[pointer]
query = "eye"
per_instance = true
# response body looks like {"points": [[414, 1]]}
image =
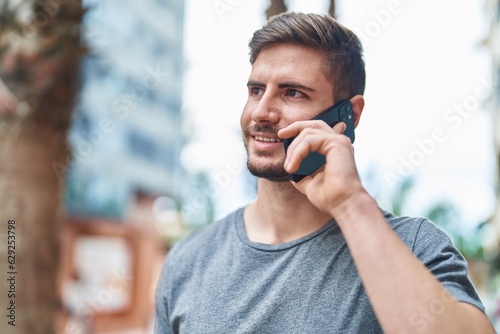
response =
{"points": [[295, 93], [255, 91]]}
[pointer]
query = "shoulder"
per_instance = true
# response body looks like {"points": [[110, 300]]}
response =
{"points": [[434, 248], [417, 232]]}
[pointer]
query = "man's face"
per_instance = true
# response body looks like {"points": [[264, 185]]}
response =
{"points": [[287, 84]]}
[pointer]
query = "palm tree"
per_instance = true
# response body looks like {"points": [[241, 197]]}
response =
{"points": [[39, 59]]}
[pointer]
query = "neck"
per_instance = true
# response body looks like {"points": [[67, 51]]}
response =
{"points": [[281, 213]]}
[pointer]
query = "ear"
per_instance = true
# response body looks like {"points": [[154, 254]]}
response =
{"points": [[358, 103]]}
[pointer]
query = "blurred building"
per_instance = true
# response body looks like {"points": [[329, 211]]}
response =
{"points": [[126, 133], [125, 141]]}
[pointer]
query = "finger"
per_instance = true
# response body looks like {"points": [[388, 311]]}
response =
{"points": [[322, 143], [296, 127], [340, 127], [303, 184], [307, 132], [300, 148], [300, 139]]}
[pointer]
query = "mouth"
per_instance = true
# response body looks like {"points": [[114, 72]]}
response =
{"points": [[268, 139]]}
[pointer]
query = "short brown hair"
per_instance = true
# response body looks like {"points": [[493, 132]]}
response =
{"points": [[341, 47]]}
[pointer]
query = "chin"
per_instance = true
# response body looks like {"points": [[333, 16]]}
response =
{"points": [[274, 173]]}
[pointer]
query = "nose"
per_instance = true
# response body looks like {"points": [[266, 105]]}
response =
{"points": [[267, 110]]}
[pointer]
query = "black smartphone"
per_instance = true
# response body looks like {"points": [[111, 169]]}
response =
{"points": [[340, 112]]}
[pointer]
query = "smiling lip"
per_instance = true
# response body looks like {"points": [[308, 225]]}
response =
{"points": [[267, 139], [266, 143]]}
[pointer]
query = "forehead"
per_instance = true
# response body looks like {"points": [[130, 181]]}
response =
{"points": [[291, 62]]}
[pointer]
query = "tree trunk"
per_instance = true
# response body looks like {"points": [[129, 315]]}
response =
{"points": [[38, 74], [32, 197], [331, 10], [279, 6], [276, 7]]}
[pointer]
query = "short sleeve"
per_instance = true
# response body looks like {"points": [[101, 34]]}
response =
{"points": [[434, 248]]}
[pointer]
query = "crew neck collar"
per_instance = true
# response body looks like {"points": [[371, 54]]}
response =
{"points": [[242, 234]]}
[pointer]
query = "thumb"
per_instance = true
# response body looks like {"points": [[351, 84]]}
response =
{"points": [[340, 127]]}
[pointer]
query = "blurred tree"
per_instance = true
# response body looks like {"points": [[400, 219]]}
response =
{"points": [[401, 195], [331, 10], [276, 7], [444, 215], [39, 60], [279, 6]]}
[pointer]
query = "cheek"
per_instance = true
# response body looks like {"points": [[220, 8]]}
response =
{"points": [[298, 115], [245, 117]]}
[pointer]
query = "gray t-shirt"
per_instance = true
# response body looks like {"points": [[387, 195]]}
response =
{"points": [[218, 281]]}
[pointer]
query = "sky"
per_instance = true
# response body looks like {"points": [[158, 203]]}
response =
{"points": [[427, 113]]}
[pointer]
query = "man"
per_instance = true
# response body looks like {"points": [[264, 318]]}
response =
{"points": [[319, 255]]}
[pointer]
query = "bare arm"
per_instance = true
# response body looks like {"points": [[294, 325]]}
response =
{"points": [[400, 288], [398, 285]]}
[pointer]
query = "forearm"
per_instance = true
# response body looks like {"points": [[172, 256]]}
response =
{"points": [[400, 288]]}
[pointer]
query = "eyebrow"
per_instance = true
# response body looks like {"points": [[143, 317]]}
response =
{"points": [[293, 85], [255, 84]]}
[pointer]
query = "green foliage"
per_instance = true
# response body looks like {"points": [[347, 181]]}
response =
{"points": [[444, 215], [400, 196], [468, 242]]}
